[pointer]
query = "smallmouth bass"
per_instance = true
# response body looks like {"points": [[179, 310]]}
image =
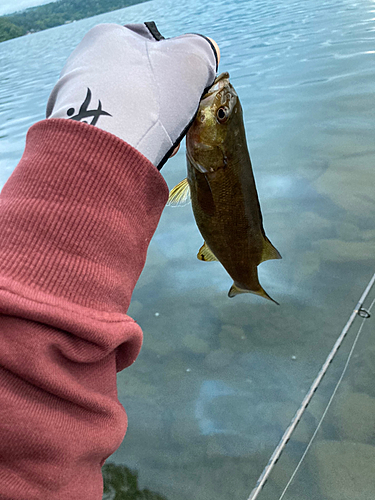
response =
{"points": [[222, 188]]}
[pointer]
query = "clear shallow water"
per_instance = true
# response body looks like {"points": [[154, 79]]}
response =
{"points": [[216, 382]]}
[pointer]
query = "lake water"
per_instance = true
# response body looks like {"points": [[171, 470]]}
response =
{"points": [[219, 379]]}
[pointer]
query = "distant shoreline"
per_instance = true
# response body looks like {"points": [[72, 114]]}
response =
{"points": [[56, 14]]}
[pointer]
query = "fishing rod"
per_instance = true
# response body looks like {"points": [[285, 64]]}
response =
{"points": [[329, 402], [358, 310]]}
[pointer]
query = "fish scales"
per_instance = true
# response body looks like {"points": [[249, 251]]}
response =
{"points": [[223, 192], [221, 224]]}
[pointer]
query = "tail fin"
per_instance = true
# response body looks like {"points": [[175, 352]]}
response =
{"points": [[236, 289]]}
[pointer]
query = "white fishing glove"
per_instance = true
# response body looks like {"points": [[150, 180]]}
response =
{"points": [[132, 82]]}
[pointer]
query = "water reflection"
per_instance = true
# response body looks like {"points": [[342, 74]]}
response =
{"points": [[121, 483]]}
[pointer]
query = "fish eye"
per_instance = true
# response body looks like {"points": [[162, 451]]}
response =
{"points": [[222, 114]]}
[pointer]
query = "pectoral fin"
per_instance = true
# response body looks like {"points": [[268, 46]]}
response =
{"points": [[269, 251], [205, 253], [180, 194], [236, 289]]}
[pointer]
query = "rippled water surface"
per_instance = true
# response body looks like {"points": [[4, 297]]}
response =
{"points": [[219, 379]]}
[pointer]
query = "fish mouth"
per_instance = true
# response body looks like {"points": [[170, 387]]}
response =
{"points": [[220, 82]]}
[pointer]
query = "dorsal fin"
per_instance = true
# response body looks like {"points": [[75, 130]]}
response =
{"points": [[269, 251], [180, 194], [205, 253]]}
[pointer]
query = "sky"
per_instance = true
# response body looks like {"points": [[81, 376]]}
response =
{"points": [[10, 6]]}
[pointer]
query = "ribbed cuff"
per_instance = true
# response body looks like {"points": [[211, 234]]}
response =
{"points": [[77, 215]]}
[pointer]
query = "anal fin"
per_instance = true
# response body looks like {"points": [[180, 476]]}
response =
{"points": [[269, 251]]}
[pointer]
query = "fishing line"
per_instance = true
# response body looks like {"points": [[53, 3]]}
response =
{"points": [[297, 417], [331, 398]]}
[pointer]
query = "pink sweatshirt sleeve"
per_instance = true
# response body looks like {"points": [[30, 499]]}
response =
{"points": [[76, 218]]}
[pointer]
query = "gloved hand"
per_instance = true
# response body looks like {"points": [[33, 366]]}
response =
{"points": [[132, 82]]}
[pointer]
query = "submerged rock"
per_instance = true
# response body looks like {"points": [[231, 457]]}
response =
{"points": [[314, 223], [219, 359], [348, 232], [349, 182], [196, 344], [280, 476], [362, 375], [306, 265], [234, 338], [344, 470], [135, 308], [354, 415], [335, 250]]}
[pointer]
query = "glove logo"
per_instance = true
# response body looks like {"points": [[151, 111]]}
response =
{"points": [[86, 113]]}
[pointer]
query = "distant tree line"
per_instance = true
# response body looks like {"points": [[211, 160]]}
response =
{"points": [[55, 14]]}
